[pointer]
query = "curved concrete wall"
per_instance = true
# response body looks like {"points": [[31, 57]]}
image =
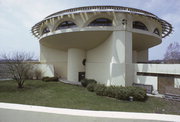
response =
{"points": [[28, 113], [57, 58], [75, 65], [98, 62], [111, 62], [110, 50]]}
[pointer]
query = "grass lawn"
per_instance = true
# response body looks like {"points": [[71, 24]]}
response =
{"points": [[57, 94]]}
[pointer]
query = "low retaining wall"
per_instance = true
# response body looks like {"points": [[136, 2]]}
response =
{"points": [[152, 74], [173, 69], [28, 113], [47, 70]]}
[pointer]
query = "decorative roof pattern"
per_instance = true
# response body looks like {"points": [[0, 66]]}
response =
{"points": [[166, 27]]}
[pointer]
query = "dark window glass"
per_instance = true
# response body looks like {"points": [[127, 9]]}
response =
{"points": [[139, 25], [65, 25], [156, 31], [101, 22], [45, 30]]}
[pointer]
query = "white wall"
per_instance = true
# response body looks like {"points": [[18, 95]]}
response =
{"points": [[148, 80], [98, 62], [122, 70], [99, 72], [142, 56], [47, 69], [56, 57], [173, 69], [28, 113], [158, 68], [111, 62], [134, 56], [176, 82], [75, 58]]}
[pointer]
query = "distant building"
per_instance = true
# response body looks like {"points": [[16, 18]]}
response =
{"points": [[105, 43]]}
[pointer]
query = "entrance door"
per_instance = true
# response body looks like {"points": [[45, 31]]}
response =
{"points": [[81, 76]]}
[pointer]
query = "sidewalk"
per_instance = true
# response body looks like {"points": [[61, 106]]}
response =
{"points": [[70, 82]]}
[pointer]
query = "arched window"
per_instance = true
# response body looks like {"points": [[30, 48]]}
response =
{"points": [[139, 25], [101, 22], [66, 24], [156, 31], [45, 30]]}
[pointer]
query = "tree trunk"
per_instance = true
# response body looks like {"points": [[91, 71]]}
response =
{"points": [[20, 85]]}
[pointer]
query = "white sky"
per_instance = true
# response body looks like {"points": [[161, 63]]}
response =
{"points": [[18, 16]]}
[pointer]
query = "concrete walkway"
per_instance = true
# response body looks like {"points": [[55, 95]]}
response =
{"points": [[5, 79], [157, 95], [70, 82]]}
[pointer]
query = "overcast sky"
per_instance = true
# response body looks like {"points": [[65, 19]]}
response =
{"points": [[18, 16]]}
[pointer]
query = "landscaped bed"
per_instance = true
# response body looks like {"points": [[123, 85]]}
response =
{"points": [[57, 94]]}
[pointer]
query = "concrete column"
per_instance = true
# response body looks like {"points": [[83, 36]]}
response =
{"points": [[122, 69], [134, 56], [75, 58]]}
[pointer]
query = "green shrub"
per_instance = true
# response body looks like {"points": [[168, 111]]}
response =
{"points": [[48, 79], [45, 78], [111, 91], [100, 89], [85, 82], [119, 92], [122, 93], [138, 93], [53, 78], [91, 87]]}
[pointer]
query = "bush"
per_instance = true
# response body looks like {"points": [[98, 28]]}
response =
{"points": [[38, 74], [119, 92], [138, 93], [111, 91], [48, 79], [123, 93], [45, 78], [85, 82], [91, 87], [100, 89]]}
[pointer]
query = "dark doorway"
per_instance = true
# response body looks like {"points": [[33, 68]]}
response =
{"points": [[81, 76]]}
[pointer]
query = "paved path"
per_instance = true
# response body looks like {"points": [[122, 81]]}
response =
{"points": [[1, 79], [157, 95], [70, 82]]}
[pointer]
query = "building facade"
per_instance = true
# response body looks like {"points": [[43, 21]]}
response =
{"points": [[105, 43]]}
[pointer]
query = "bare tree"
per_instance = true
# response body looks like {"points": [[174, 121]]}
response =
{"points": [[18, 66], [38, 73], [172, 54]]}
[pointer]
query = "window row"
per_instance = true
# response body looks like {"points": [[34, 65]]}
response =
{"points": [[99, 22]]}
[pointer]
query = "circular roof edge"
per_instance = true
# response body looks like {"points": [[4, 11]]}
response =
{"points": [[166, 27]]}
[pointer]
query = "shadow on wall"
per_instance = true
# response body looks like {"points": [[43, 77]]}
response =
{"points": [[117, 71], [147, 80]]}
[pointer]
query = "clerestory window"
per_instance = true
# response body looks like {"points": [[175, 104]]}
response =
{"points": [[156, 31], [66, 24], [101, 22], [45, 30], [139, 25]]}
